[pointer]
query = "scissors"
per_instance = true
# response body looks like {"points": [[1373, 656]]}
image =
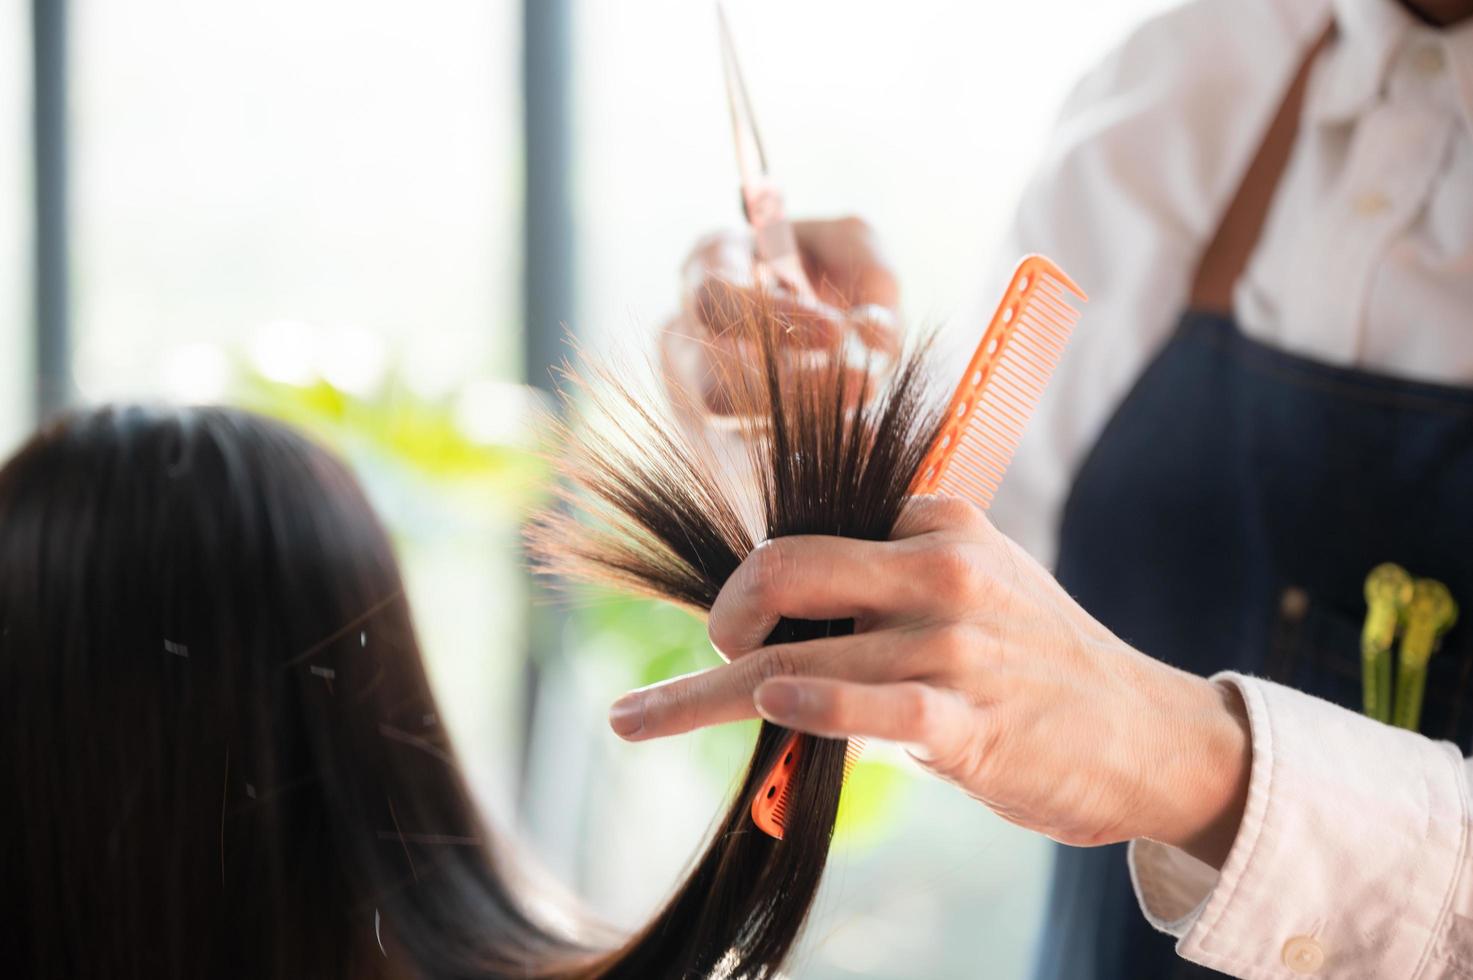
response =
{"points": [[762, 200]]}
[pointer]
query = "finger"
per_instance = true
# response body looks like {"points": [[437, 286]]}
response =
{"points": [[811, 577], [931, 513], [723, 305], [724, 694], [692, 366], [725, 255], [730, 382], [877, 327], [932, 722], [845, 264], [727, 372]]}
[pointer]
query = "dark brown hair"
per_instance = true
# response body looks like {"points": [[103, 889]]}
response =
{"points": [[223, 757], [224, 752], [650, 507]]}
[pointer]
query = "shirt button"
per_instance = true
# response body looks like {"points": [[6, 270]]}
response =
{"points": [[1304, 954], [1371, 203], [1429, 61]]}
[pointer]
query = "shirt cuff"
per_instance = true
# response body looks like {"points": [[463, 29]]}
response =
{"points": [[1353, 838]]}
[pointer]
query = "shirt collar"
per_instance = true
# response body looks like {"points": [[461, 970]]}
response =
{"points": [[1369, 36]]}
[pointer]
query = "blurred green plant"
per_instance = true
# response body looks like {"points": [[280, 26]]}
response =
{"points": [[646, 641], [418, 435]]}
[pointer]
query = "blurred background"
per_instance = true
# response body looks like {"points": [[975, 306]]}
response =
{"points": [[376, 218]]}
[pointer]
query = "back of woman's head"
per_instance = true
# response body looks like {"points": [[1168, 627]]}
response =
{"points": [[226, 755]]}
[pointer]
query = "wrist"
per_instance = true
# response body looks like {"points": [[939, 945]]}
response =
{"points": [[1216, 760]]}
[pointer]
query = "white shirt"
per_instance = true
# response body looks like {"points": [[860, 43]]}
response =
{"points": [[1366, 258], [1355, 855]]}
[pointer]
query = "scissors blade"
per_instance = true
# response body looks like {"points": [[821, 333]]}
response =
{"points": [[751, 160]]}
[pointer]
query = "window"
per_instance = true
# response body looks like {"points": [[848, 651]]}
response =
{"points": [[350, 166], [316, 208], [298, 194], [15, 223]]}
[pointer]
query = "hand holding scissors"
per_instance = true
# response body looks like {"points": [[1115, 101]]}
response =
{"points": [[826, 278]]}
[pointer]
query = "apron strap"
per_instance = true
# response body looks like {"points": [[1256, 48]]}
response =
{"points": [[1237, 234]]}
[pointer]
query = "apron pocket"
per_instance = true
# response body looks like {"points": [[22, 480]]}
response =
{"points": [[1315, 648]]}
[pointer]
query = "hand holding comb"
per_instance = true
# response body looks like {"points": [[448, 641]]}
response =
{"points": [[983, 424]]}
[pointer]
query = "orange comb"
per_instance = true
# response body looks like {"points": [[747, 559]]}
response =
{"points": [[1002, 385], [982, 426], [770, 808]]}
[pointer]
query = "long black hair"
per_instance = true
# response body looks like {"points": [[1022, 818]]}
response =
{"points": [[223, 753], [826, 447]]}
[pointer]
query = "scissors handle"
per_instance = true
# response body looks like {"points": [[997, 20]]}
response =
{"points": [[775, 244], [1431, 613], [1388, 591]]}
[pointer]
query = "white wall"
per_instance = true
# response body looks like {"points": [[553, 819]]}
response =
{"points": [[15, 223]]}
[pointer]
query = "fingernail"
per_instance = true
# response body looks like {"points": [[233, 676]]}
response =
{"points": [[779, 701], [626, 716]]}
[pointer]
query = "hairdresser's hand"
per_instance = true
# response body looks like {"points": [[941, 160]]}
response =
{"points": [[857, 295], [972, 656]]}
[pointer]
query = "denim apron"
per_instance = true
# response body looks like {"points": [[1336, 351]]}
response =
{"points": [[1226, 519]]}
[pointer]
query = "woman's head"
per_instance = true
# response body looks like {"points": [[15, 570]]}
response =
{"points": [[227, 756]]}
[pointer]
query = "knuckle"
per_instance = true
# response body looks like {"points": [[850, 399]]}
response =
{"points": [[952, 650], [767, 571], [919, 708], [955, 512], [931, 514], [751, 596], [711, 249], [721, 635], [717, 304], [989, 737], [956, 754], [855, 225], [777, 661], [954, 573]]}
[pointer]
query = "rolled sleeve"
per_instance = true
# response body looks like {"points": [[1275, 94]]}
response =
{"points": [[1351, 859]]}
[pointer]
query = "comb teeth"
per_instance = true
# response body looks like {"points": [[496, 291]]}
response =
{"points": [[770, 808], [780, 809], [1004, 381]]}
